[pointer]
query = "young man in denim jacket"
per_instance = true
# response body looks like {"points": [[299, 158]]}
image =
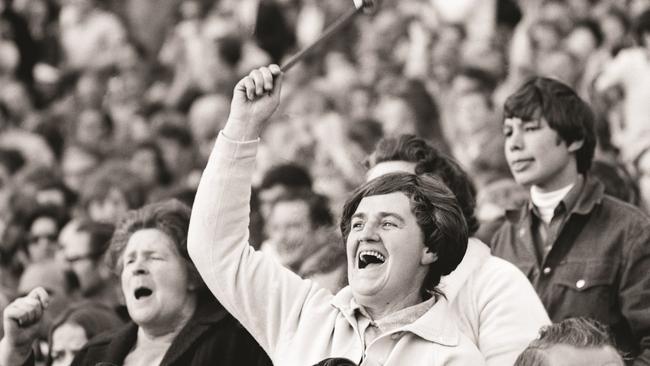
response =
{"points": [[587, 254]]}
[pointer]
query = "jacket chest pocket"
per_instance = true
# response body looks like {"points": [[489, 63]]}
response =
{"points": [[583, 289]]}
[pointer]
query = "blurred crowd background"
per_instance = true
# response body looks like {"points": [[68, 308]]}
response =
{"points": [[108, 105]]}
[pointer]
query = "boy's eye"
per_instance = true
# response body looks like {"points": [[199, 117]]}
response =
{"points": [[507, 132], [357, 224]]}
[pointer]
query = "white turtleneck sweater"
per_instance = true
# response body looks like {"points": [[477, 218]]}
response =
{"points": [[546, 202]]}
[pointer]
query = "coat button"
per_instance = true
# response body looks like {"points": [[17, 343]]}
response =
{"points": [[546, 270], [522, 232], [580, 283]]}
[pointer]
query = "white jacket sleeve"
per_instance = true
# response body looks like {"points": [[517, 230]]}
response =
{"points": [[264, 296], [511, 313]]}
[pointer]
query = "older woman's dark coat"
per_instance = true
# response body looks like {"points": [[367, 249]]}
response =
{"points": [[211, 337]]}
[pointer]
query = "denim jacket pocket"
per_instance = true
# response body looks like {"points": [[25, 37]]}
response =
{"points": [[585, 289]]}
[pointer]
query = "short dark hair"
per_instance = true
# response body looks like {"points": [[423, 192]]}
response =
{"points": [[436, 211], [172, 218], [100, 236], [563, 110], [642, 26], [318, 204], [575, 332], [429, 160], [289, 175]]}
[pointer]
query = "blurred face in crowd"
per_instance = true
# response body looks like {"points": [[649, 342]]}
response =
{"points": [[395, 116], [537, 155], [155, 280], [581, 42], [269, 196], [544, 37], [560, 65], [78, 253], [565, 355], [472, 113], [290, 229], [144, 164], [204, 117], [77, 165], [67, 341], [387, 258], [110, 209], [43, 239], [613, 29], [90, 91], [91, 129]]}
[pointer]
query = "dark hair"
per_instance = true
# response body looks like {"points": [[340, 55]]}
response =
{"points": [[617, 181], [336, 361], [318, 204], [111, 175], [575, 332], [164, 175], [485, 81], [642, 26], [289, 175], [94, 317], [413, 92], [172, 218], [12, 159], [436, 211], [563, 110], [59, 216], [100, 236], [429, 160], [171, 131]]}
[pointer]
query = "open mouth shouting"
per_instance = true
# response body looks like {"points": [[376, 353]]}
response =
{"points": [[142, 292], [370, 258]]}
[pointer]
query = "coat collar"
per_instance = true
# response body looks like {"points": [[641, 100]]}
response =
{"points": [[591, 194], [443, 331], [120, 343]]}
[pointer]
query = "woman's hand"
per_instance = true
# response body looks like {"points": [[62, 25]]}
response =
{"points": [[22, 320], [255, 98]]}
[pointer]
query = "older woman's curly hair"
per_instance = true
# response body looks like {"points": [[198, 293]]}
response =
{"points": [[172, 218]]}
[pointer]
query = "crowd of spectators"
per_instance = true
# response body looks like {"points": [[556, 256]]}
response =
{"points": [[106, 106]]}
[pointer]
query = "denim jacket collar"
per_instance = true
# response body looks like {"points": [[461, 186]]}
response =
{"points": [[592, 194]]}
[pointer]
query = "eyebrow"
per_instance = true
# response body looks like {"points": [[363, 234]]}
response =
{"points": [[381, 214]]}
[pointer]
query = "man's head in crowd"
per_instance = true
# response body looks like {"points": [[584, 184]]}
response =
{"points": [[402, 233], [410, 154], [205, 118], [83, 248], [43, 226], [549, 134], [572, 342], [293, 223], [642, 29], [279, 180]]}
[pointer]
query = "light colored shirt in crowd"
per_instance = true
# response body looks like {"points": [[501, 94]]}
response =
{"points": [[630, 69], [90, 41]]}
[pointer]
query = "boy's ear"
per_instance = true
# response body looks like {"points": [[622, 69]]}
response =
{"points": [[575, 145]]}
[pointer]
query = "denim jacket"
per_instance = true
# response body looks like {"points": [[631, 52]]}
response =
{"points": [[598, 267]]}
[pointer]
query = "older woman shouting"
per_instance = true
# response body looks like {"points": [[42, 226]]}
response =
{"points": [[402, 233], [175, 321]]}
